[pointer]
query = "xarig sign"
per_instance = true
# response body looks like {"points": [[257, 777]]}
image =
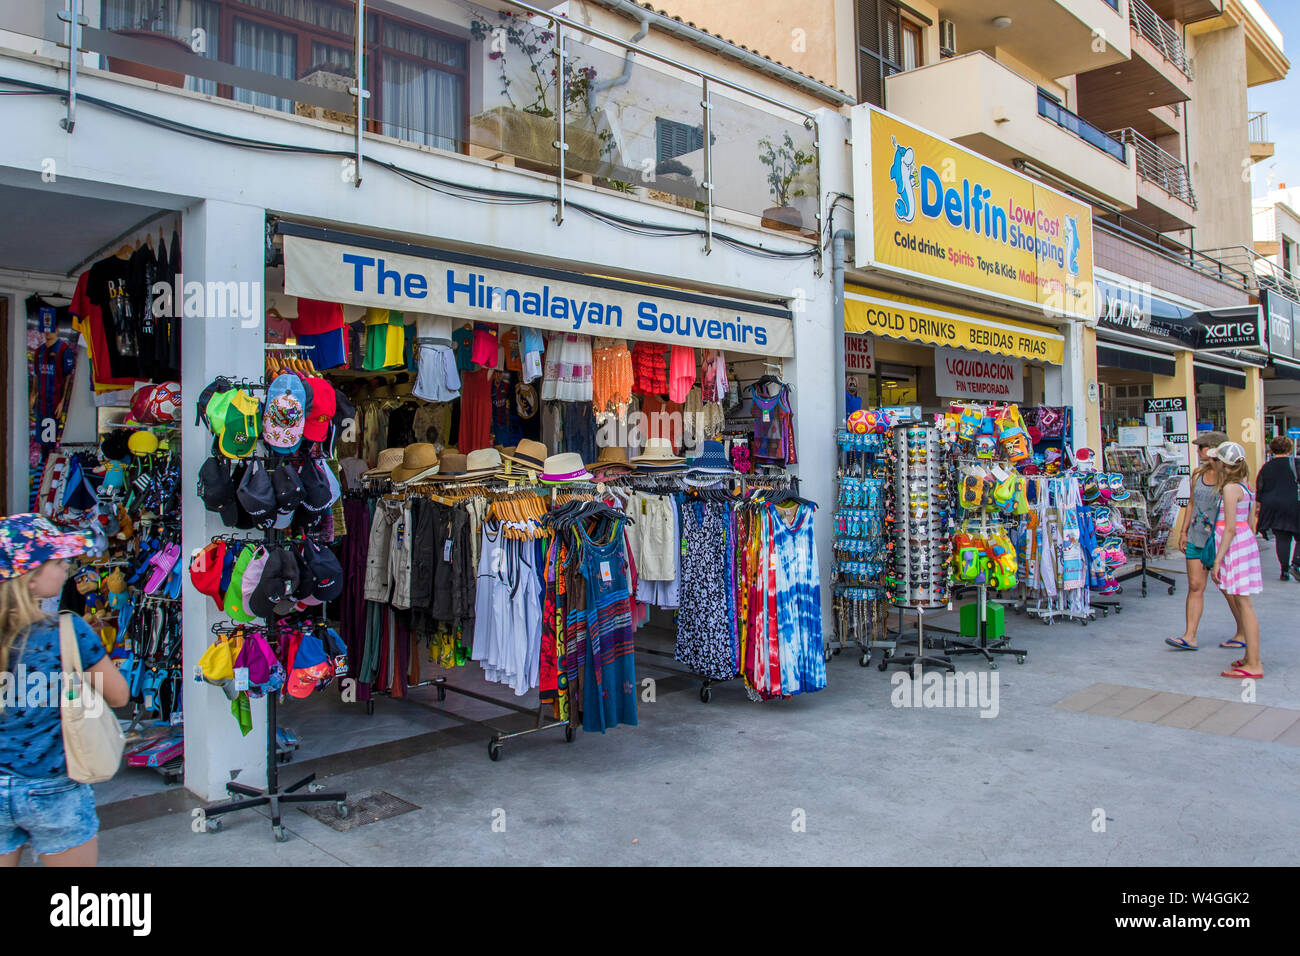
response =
{"points": [[1235, 328]]}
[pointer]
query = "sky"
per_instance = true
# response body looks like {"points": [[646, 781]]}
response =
{"points": [[1282, 102]]}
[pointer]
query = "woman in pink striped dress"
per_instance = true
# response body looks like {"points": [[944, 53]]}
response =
{"points": [[1237, 570]]}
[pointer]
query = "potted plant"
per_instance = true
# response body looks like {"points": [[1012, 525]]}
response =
{"points": [[524, 126], [154, 26], [784, 163]]}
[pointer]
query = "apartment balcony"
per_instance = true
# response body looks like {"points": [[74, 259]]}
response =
{"points": [[1005, 117], [449, 76], [1186, 11], [1165, 199], [1159, 73], [1054, 37], [1261, 147]]}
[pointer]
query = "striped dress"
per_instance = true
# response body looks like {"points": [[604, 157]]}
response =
{"points": [[609, 685], [1240, 571]]}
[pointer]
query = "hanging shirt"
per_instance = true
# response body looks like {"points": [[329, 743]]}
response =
{"points": [[385, 338], [106, 288]]}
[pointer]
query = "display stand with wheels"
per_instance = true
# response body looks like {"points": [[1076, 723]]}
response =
{"points": [[981, 643], [860, 548]]}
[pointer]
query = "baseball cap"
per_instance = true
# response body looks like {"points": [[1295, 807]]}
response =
{"points": [[326, 570], [310, 667], [278, 582], [216, 386], [252, 577], [241, 425], [316, 494], [217, 489], [285, 415], [234, 605], [1210, 439], [323, 406], [288, 493], [256, 494], [217, 665], [29, 540], [1228, 452], [205, 571]]}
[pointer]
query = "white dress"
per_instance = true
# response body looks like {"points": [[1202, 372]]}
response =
{"points": [[567, 369]]}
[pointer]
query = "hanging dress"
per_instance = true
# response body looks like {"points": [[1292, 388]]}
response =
{"points": [[609, 691], [704, 630], [799, 613]]}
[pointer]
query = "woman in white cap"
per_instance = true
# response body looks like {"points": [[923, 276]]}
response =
{"points": [[39, 803], [1237, 569]]}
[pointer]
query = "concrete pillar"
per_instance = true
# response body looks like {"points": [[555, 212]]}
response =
{"points": [[815, 425], [1244, 413], [1067, 384], [222, 242]]}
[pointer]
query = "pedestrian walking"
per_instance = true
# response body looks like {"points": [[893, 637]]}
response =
{"points": [[39, 803], [1236, 567], [1279, 504]]}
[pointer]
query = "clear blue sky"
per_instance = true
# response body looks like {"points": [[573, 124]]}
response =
{"points": [[1282, 101]]}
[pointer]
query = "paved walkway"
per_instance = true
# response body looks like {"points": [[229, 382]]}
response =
{"points": [[842, 776]]}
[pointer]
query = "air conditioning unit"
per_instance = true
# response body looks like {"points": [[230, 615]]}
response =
{"points": [[947, 38]]}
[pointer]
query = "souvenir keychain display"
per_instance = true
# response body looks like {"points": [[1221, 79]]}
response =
{"points": [[862, 543]]}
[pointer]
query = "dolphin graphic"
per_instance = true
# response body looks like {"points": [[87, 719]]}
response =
{"points": [[1071, 238], [903, 172]]}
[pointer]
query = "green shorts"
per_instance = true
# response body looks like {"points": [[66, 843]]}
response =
{"points": [[1194, 551]]}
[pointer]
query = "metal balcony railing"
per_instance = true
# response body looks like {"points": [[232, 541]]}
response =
{"points": [[1048, 108], [1160, 34], [549, 94], [1261, 272], [1257, 127], [1131, 230], [1159, 167]]}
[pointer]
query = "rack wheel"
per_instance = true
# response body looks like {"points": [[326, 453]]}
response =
{"points": [[1083, 621], [280, 835], [1172, 589], [1020, 658], [568, 733], [315, 787], [829, 654], [706, 694], [213, 825], [883, 665], [442, 693], [993, 665], [836, 651], [370, 707], [1046, 621], [1118, 610], [342, 809], [494, 750], [864, 660]]}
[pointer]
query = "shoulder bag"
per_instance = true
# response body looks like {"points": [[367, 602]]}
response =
{"points": [[92, 737], [1210, 551]]}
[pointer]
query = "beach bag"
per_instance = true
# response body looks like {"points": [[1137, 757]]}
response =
{"points": [[92, 737]]}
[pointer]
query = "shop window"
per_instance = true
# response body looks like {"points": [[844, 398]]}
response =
{"points": [[1211, 407]]}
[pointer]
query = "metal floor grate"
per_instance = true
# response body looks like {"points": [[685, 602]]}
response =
{"points": [[364, 806]]}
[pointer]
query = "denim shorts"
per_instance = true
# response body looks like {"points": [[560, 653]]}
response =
{"points": [[53, 814]]}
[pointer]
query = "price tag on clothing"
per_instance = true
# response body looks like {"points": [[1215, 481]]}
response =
{"points": [[341, 665], [683, 546], [605, 573], [767, 416], [241, 678], [645, 506], [446, 551]]}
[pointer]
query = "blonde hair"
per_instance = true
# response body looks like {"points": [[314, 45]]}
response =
{"points": [[19, 613], [1230, 475]]}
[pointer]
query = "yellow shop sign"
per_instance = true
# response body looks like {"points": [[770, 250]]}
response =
{"points": [[931, 209], [903, 317]]}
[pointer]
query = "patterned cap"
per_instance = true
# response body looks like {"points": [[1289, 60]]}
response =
{"points": [[28, 540]]}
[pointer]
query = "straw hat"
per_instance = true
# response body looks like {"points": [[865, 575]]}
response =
{"points": [[658, 456], [611, 458], [565, 467], [416, 459], [482, 463], [528, 453], [389, 459], [453, 465]]}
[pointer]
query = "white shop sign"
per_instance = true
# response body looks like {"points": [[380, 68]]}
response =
{"points": [[492, 291], [978, 376]]}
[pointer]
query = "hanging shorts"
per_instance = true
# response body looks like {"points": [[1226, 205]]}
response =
{"points": [[437, 378], [656, 542]]}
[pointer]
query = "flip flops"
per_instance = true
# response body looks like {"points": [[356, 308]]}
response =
{"points": [[1181, 644], [1240, 674], [163, 562], [1234, 644]]}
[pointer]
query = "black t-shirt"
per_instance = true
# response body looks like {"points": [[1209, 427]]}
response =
{"points": [[144, 272], [108, 288]]}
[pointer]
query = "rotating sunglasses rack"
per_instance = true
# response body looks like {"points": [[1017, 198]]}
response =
{"points": [[922, 506], [862, 545]]}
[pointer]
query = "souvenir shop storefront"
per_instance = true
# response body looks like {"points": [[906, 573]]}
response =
{"points": [[452, 477]]}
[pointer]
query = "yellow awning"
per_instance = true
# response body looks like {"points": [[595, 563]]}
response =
{"points": [[917, 320]]}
